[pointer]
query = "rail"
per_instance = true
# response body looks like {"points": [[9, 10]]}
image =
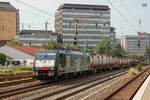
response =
{"points": [[125, 85]]}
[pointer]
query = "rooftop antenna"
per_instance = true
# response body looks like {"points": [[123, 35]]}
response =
{"points": [[46, 26], [22, 26], [29, 27]]}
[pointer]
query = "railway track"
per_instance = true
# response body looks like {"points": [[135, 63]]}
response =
{"points": [[128, 90], [63, 94], [10, 77], [17, 74], [15, 82], [6, 92], [3, 79], [59, 88], [14, 79]]}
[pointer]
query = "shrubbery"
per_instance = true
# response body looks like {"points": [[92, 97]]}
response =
{"points": [[132, 71], [139, 67], [20, 69], [2, 59], [136, 69], [25, 68]]}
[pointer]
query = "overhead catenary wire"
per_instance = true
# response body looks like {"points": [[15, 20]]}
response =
{"points": [[129, 12], [57, 1], [126, 20], [31, 13], [133, 17], [42, 11], [33, 24]]}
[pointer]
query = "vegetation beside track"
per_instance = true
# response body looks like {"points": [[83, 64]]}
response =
{"points": [[136, 69], [15, 70]]}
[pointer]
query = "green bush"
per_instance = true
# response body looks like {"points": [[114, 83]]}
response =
{"points": [[143, 63], [2, 59], [139, 67], [132, 71], [14, 70], [26, 68], [148, 62]]}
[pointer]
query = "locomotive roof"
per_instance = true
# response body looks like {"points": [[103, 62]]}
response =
{"points": [[62, 51], [70, 52]]}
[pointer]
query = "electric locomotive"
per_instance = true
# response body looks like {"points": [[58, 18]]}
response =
{"points": [[57, 63]]}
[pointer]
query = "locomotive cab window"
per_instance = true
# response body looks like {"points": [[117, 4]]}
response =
{"points": [[44, 56]]}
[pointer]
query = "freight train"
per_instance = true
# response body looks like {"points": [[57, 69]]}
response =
{"points": [[54, 64]]}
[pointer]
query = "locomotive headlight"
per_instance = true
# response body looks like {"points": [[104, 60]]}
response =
{"points": [[36, 62], [37, 68], [52, 68], [36, 73], [49, 62], [49, 74]]}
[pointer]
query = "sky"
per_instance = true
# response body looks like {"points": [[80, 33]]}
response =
{"points": [[126, 15]]}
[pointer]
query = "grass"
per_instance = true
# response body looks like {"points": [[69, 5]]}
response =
{"points": [[139, 67], [14, 70], [133, 71]]}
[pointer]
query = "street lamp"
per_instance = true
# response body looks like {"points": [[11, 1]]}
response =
{"points": [[34, 39], [76, 21], [84, 39], [122, 43]]}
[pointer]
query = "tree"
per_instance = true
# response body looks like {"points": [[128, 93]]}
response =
{"points": [[147, 50], [2, 59], [118, 51], [69, 46], [14, 42], [52, 45], [103, 46]]}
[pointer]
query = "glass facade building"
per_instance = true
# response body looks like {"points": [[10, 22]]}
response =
{"points": [[135, 45], [36, 38], [93, 23]]}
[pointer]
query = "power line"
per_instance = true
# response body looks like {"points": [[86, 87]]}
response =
{"points": [[32, 26], [37, 15], [42, 11], [57, 1], [128, 9], [33, 7], [133, 17], [122, 16]]}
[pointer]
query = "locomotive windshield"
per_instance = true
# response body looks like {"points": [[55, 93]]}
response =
{"points": [[45, 56], [45, 59]]}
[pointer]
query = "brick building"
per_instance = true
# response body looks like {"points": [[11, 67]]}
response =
{"points": [[9, 22]]}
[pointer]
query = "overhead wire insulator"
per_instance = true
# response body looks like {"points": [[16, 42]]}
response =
{"points": [[138, 44], [75, 40]]}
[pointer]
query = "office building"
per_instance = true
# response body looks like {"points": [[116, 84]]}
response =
{"points": [[36, 38], [90, 22], [112, 36], [135, 45]]}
